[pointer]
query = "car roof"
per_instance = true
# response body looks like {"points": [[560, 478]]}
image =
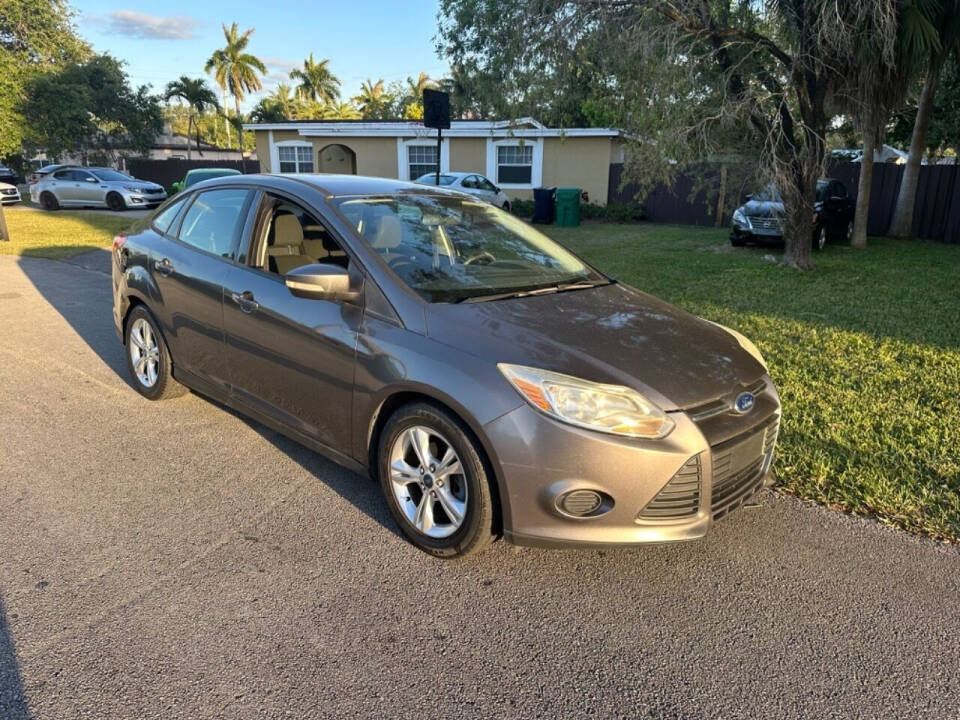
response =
{"points": [[205, 171], [335, 185]]}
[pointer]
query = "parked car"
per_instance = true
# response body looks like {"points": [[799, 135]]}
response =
{"points": [[199, 174], [493, 382], [472, 183], [42, 172], [95, 187], [9, 194], [8, 176], [760, 219]]}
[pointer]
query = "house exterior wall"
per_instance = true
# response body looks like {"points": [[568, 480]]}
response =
{"points": [[468, 155], [561, 160], [578, 162]]}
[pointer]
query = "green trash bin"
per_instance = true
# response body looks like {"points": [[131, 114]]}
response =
{"points": [[568, 207]]}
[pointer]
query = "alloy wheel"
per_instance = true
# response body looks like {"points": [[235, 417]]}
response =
{"points": [[144, 353], [428, 482], [850, 231], [822, 238]]}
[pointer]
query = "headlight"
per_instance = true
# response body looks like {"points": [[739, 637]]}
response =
{"points": [[739, 218], [608, 408], [132, 188], [744, 341]]}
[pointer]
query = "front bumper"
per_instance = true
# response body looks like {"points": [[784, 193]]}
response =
{"points": [[760, 237], [540, 460], [10, 199], [140, 199]]}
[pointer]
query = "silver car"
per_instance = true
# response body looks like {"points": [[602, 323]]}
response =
{"points": [[472, 183], [9, 194], [95, 187]]}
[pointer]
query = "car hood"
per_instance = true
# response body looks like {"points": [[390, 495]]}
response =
{"points": [[762, 208], [612, 333], [139, 184]]}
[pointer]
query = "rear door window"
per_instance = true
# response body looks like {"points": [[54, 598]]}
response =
{"points": [[213, 221]]}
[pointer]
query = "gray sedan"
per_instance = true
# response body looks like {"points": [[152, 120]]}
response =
{"points": [[471, 183], [95, 187]]}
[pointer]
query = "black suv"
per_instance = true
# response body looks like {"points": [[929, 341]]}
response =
{"points": [[760, 219]]}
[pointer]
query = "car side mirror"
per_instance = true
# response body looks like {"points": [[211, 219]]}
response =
{"points": [[91, 180], [321, 281]]}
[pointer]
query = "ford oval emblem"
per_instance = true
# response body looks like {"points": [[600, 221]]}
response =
{"points": [[744, 403]]}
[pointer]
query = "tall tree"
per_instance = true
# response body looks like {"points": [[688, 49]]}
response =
{"points": [[689, 74], [235, 70], [316, 82], [36, 36], [412, 103], [199, 98], [90, 107], [929, 52], [374, 99]]}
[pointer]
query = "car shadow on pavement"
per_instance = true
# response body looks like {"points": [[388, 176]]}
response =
{"points": [[85, 301], [13, 701]]}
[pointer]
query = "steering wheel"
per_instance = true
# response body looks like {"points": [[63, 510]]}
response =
{"points": [[488, 257]]}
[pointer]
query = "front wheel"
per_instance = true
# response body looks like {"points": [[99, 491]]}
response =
{"points": [[820, 238], [434, 482], [116, 203], [506, 207]]}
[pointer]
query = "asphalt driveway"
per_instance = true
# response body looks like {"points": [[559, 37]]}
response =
{"points": [[174, 560]]}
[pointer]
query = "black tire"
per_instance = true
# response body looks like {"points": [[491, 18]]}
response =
{"points": [[165, 386], [506, 207], [477, 529], [49, 201], [736, 242], [116, 202], [820, 238]]}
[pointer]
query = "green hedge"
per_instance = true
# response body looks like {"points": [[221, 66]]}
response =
{"points": [[613, 212]]}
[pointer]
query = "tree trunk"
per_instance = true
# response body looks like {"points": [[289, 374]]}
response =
{"points": [[798, 235], [870, 132], [4, 232], [226, 122], [189, 136], [902, 224], [718, 221]]}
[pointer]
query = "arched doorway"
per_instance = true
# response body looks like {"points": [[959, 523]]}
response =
{"points": [[337, 159]]}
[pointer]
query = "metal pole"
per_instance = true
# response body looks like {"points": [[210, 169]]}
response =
{"points": [[4, 233], [439, 144]]}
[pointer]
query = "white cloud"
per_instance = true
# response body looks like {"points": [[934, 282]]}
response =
{"points": [[141, 25], [278, 69]]}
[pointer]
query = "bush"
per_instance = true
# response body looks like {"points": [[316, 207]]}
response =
{"points": [[614, 212]]}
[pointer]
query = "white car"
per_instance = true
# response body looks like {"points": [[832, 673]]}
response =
{"points": [[9, 194], [472, 183]]}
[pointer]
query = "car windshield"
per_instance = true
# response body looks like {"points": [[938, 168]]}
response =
{"points": [[450, 249], [111, 175], [431, 179], [767, 194]]}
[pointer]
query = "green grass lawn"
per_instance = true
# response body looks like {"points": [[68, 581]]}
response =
{"points": [[865, 351], [59, 235]]}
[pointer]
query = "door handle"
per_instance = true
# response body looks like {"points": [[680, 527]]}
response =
{"points": [[163, 267], [245, 301]]}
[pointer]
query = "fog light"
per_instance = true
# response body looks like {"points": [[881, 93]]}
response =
{"points": [[584, 503]]}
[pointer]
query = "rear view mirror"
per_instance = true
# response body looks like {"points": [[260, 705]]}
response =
{"points": [[320, 281], [92, 180]]}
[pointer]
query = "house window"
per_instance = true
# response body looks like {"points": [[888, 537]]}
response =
{"points": [[421, 159], [515, 164], [296, 159]]}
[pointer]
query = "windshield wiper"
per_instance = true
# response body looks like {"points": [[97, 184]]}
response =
{"points": [[548, 290]]}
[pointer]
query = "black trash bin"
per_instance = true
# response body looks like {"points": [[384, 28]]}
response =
{"points": [[543, 204]]}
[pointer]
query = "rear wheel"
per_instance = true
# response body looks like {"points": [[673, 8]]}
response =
{"points": [[434, 481], [737, 242], [115, 202], [506, 207], [820, 238], [148, 359], [49, 201]]}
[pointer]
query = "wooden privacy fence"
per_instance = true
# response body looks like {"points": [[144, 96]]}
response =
{"points": [[936, 214], [167, 172]]}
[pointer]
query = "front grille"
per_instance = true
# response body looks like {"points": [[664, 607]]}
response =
{"points": [[680, 498], [152, 191], [9, 191], [771, 224], [722, 405], [738, 467]]}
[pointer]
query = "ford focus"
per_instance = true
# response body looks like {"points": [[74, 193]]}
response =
{"points": [[492, 382]]}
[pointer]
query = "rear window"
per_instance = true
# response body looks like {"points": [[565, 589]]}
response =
{"points": [[213, 220]]}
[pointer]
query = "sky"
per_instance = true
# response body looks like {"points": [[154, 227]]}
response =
{"points": [[363, 38]]}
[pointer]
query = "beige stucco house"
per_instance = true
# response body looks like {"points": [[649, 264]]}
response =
{"points": [[517, 155]]}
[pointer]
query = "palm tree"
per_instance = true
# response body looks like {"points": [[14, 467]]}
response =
{"points": [[235, 70], [316, 81], [199, 98], [412, 107], [341, 111], [928, 51], [373, 98]]}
